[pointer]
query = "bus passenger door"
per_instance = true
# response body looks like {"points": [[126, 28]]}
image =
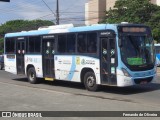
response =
{"points": [[48, 58], [108, 61], [20, 51]]}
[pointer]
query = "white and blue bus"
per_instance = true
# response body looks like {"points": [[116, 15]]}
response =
{"points": [[157, 48], [104, 54]]}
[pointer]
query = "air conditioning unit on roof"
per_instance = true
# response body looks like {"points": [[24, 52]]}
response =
{"points": [[65, 26]]}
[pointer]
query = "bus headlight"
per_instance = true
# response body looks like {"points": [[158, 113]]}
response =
{"points": [[125, 72]]}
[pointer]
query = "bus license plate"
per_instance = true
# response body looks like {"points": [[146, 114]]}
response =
{"points": [[143, 82]]}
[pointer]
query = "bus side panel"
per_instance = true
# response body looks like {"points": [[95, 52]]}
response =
{"points": [[36, 61], [70, 67], [10, 63], [85, 62], [63, 64]]}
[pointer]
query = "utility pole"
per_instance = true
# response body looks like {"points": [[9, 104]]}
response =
{"points": [[57, 13]]}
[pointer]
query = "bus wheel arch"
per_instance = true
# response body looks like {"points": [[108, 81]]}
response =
{"points": [[31, 74], [88, 78]]}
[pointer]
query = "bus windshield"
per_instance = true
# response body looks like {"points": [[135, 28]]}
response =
{"points": [[137, 51]]}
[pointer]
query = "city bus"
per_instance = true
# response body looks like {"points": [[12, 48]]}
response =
{"points": [[157, 48], [103, 54]]}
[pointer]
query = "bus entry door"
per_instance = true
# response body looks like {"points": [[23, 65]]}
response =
{"points": [[20, 51], [48, 58], [108, 61]]}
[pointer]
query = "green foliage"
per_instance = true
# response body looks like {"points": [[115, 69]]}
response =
{"points": [[135, 11], [20, 25], [1, 45]]}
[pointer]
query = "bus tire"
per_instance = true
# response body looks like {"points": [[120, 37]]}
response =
{"points": [[90, 81], [1, 67], [31, 74]]}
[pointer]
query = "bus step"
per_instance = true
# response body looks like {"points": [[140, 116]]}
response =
{"points": [[49, 79]]}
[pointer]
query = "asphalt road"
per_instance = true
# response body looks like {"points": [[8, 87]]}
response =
{"points": [[16, 94]]}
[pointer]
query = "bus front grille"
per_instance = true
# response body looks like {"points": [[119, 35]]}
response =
{"points": [[143, 80]]}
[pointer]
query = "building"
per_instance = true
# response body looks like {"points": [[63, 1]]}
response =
{"points": [[157, 2], [110, 4], [95, 9]]}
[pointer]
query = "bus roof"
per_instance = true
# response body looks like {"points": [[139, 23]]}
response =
{"points": [[50, 30]]}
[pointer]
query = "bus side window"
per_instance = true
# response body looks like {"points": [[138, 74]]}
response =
{"points": [[71, 42], [10, 45], [92, 42], [34, 44], [82, 43], [62, 43]]}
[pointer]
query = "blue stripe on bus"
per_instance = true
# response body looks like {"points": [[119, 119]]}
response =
{"points": [[72, 69], [28, 33], [158, 56]]}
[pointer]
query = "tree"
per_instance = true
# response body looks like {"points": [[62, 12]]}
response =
{"points": [[154, 23], [20, 25], [135, 11], [1, 45]]}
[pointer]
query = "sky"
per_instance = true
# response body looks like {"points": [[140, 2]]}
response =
{"points": [[71, 11]]}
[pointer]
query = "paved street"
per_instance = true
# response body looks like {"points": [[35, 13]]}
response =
{"points": [[16, 94]]}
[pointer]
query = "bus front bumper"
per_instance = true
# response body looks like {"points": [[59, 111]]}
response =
{"points": [[123, 81]]}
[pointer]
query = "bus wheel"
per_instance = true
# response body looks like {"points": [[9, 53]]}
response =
{"points": [[31, 74], [1, 67], [90, 81]]}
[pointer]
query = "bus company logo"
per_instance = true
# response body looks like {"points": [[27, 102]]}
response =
{"points": [[90, 62], [83, 62], [78, 60]]}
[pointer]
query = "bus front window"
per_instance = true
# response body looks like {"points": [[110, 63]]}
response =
{"points": [[137, 52]]}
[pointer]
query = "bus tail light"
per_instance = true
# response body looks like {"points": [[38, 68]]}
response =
{"points": [[125, 72]]}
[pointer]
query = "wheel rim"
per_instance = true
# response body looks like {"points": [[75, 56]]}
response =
{"points": [[32, 76], [90, 81]]}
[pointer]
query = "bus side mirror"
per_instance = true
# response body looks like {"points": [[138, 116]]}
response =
{"points": [[120, 42]]}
